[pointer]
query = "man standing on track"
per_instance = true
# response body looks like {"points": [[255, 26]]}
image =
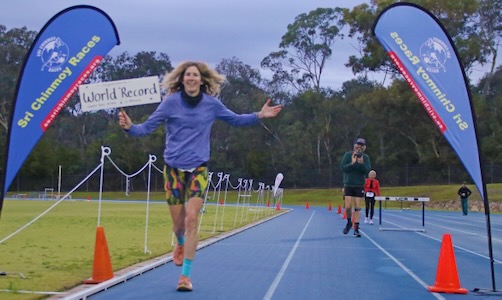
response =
{"points": [[464, 192], [355, 165]]}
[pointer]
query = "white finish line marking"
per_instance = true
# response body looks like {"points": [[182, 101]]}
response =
{"points": [[285, 265]]}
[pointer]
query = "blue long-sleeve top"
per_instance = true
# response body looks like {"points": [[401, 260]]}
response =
{"points": [[188, 128]]}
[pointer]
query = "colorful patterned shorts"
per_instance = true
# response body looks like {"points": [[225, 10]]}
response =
{"points": [[183, 185]]}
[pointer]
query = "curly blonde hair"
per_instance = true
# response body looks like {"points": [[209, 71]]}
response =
{"points": [[212, 80]]}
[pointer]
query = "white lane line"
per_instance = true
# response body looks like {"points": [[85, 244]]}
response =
{"points": [[454, 246], [413, 275], [285, 265]]}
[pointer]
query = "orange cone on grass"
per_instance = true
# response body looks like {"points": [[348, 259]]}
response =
{"points": [[102, 266], [278, 206], [447, 280]]}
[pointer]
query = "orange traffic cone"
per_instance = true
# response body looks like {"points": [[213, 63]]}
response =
{"points": [[307, 206], [329, 206], [221, 201], [88, 198], [344, 214], [268, 203], [339, 209], [102, 267], [447, 277], [278, 206]]}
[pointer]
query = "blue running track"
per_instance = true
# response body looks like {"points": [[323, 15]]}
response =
{"points": [[303, 254]]}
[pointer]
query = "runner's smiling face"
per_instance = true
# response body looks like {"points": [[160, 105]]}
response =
{"points": [[192, 81]]}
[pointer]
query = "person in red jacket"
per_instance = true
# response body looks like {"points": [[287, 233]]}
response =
{"points": [[371, 189]]}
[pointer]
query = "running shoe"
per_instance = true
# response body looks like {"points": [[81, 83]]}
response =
{"points": [[366, 220], [371, 221], [184, 284], [356, 233], [178, 255], [347, 228]]}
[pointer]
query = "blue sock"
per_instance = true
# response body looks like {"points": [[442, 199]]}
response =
{"points": [[181, 240], [187, 267]]}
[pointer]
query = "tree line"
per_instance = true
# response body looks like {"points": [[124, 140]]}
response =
{"points": [[318, 123]]}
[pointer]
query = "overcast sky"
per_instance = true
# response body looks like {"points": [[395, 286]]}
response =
{"points": [[205, 30]]}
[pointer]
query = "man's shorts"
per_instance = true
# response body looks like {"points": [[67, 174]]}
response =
{"points": [[183, 185], [354, 191]]}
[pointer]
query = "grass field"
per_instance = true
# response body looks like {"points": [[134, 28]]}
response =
{"points": [[55, 253]]}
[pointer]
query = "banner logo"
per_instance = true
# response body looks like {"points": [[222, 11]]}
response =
{"points": [[54, 53], [435, 53]]}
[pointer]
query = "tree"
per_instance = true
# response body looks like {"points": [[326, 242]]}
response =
{"points": [[351, 101], [372, 56], [488, 106], [490, 24], [305, 142], [458, 17], [242, 91], [14, 45], [305, 48], [240, 147]]}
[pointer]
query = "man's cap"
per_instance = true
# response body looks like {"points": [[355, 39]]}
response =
{"points": [[360, 141]]}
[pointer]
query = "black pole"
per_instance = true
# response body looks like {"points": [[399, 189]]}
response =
{"points": [[423, 214], [2, 178], [2, 183], [489, 235], [493, 291], [380, 213]]}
